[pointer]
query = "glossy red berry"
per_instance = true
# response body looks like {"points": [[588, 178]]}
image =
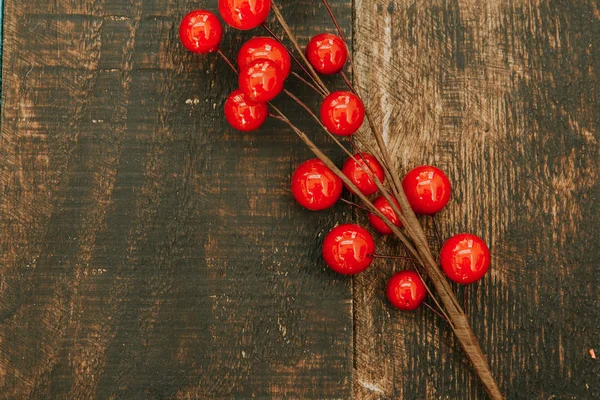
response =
{"points": [[348, 249], [406, 290], [264, 47], [386, 209], [243, 114], [342, 113], [427, 189], [315, 186], [200, 32], [362, 177], [244, 14], [261, 80], [327, 53], [465, 258]]}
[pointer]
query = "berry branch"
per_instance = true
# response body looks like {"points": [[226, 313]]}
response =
{"points": [[264, 64]]}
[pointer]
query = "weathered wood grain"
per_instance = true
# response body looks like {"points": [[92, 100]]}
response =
{"points": [[504, 97], [148, 250]]}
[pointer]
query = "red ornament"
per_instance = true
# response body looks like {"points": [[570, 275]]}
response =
{"points": [[244, 14], [361, 179], [427, 189], [406, 290], [465, 258], [243, 114], [342, 113], [348, 249], [200, 32], [386, 209], [264, 47], [315, 186], [327, 53], [261, 80]]}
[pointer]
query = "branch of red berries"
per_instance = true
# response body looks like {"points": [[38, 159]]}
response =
{"points": [[263, 66]]}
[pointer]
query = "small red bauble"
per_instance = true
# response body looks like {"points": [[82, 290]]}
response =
{"points": [[406, 290], [264, 47], [465, 258], [261, 80], [342, 113], [348, 249], [327, 53], [200, 32], [244, 14], [386, 209], [427, 189], [315, 186], [361, 178], [243, 114]]}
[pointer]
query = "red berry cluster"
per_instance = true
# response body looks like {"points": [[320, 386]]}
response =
{"points": [[264, 64]]}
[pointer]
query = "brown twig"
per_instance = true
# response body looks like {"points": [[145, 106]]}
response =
{"points": [[457, 316], [348, 82], [226, 59], [307, 83], [290, 35], [435, 311], [317, 88], [353, 204], [393, 257]]}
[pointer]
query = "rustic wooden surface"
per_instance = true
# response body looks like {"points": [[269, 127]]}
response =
{"points": [[504, 95], [148, 251]]}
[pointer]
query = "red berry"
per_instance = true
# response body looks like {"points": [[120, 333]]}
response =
{"points": [[465, 258], [406, 290], [244, 14], [264, 47], [386, 209], [327, 53], [361, 179], [342, 113], [348, 249], [315, 186], [427, 189], [244, 115], [200, 32], [261, 80]]}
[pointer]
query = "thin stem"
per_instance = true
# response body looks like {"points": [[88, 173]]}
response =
{"points": [[307, 83], [431, 295], [331, 165], [393, 257], [355, 149], [277, 117], [436, 312], [348, 82], [353, 204], [274, 36], [461, 326], [292, 37], [337, 26], [226, 59]]}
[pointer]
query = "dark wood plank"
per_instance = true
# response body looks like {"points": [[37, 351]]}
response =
{"points": [[503, 95], [148, 250]]}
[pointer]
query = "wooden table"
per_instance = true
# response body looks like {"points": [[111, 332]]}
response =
{"points": [[149, 251]]}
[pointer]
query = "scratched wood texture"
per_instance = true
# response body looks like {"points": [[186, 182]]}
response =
{"points": [[505, 97], [148, 251]]}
